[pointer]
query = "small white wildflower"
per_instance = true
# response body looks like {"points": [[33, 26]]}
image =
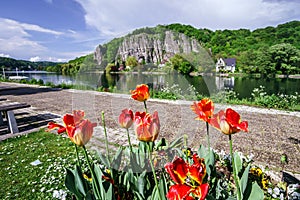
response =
{"points": [[270, 191], [276, 191]]}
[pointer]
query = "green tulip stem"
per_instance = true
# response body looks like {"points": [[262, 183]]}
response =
{"points": [[153, 171], [96, 186], [129, 142], [145, 105], [105, 134], [239, 197], [207, 135], [76, 150]]}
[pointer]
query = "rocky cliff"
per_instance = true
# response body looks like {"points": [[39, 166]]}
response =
{"points": [[147, 47]]}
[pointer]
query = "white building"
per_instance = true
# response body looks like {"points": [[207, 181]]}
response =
{"points": [[226, 65]]}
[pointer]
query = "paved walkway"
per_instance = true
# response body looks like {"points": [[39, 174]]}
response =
{"points": [[272, 133]]}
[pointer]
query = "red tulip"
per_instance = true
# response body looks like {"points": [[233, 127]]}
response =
{"points": [[229, 122], [146, 126], [178, 170], [79, 130], [197, 170], [179, 191], [52, 126], [126, 118], [141, 93], [204, 109], [187, 178], [201, 191]]}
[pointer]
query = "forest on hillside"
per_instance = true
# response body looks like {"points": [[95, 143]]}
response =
{"points": [[270, 50], [72, 67], [10, 64]]}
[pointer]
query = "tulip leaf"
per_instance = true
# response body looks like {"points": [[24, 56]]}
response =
{"points": [[98, 181], [161, 143], [110, 193], [70, 183], [103, 159], [202, 151], [116, 161], [79, 180], [244, 180], [231, 198], [176, 143], [256, 192], [163, 187], [237, 163], [141, 183]]}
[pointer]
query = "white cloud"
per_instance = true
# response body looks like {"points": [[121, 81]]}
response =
{"points": [[35, 59], [113, 18], [32, 27], [4, 55], [17, 41], [23, 27]]}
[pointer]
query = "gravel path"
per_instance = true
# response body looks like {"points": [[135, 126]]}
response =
{"points": [[272, 133]]}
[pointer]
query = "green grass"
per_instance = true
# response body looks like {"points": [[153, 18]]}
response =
{"points": [[20, 179]]}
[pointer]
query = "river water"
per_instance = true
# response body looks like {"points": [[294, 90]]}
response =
{"points": [[205, 85]]}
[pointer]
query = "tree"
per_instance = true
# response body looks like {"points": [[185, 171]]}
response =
{"points": [[131, 61], [180, 64], [285, 57]]}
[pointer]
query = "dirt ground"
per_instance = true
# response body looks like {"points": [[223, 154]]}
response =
{"points": [[271, 134]]}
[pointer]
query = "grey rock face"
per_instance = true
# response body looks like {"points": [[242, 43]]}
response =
{"points": [[152, 48]]}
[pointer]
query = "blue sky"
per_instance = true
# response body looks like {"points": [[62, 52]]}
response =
{"points": [[60, 30]]}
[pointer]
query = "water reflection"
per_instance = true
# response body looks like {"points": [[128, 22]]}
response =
{"points": [[224, 83], [204, 85]]}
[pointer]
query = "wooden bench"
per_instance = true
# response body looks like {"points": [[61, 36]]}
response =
{"points": [[3, 99], [7, 112]]}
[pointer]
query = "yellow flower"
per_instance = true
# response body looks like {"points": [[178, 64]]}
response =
{"points": [[265, 183], [87, 178], [256, 171]]}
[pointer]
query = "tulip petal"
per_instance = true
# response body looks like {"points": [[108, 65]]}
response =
{"points": [[204, 109], [141, 93], [216, 118], [78, 115], [179, 192], [234, 119], [52, 126], [228, 122], [68, 120], [126, 118], [201, 191], [197, 170], [146, 126], [178, 170]]}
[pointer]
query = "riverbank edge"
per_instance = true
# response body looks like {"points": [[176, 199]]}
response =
{"points": [[241, 108]]}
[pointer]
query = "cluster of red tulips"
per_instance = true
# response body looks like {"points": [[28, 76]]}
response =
{"points": [[187, 178]]}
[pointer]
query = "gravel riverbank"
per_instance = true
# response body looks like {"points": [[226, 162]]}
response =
{"points": [[272, 132]]}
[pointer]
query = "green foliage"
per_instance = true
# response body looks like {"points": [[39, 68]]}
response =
{"points": [[249, 47], [259, 97], [131, 61], [110, 67], [81, 64], [279, 101], [181, 64], [11, 64], [20, 179]]}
